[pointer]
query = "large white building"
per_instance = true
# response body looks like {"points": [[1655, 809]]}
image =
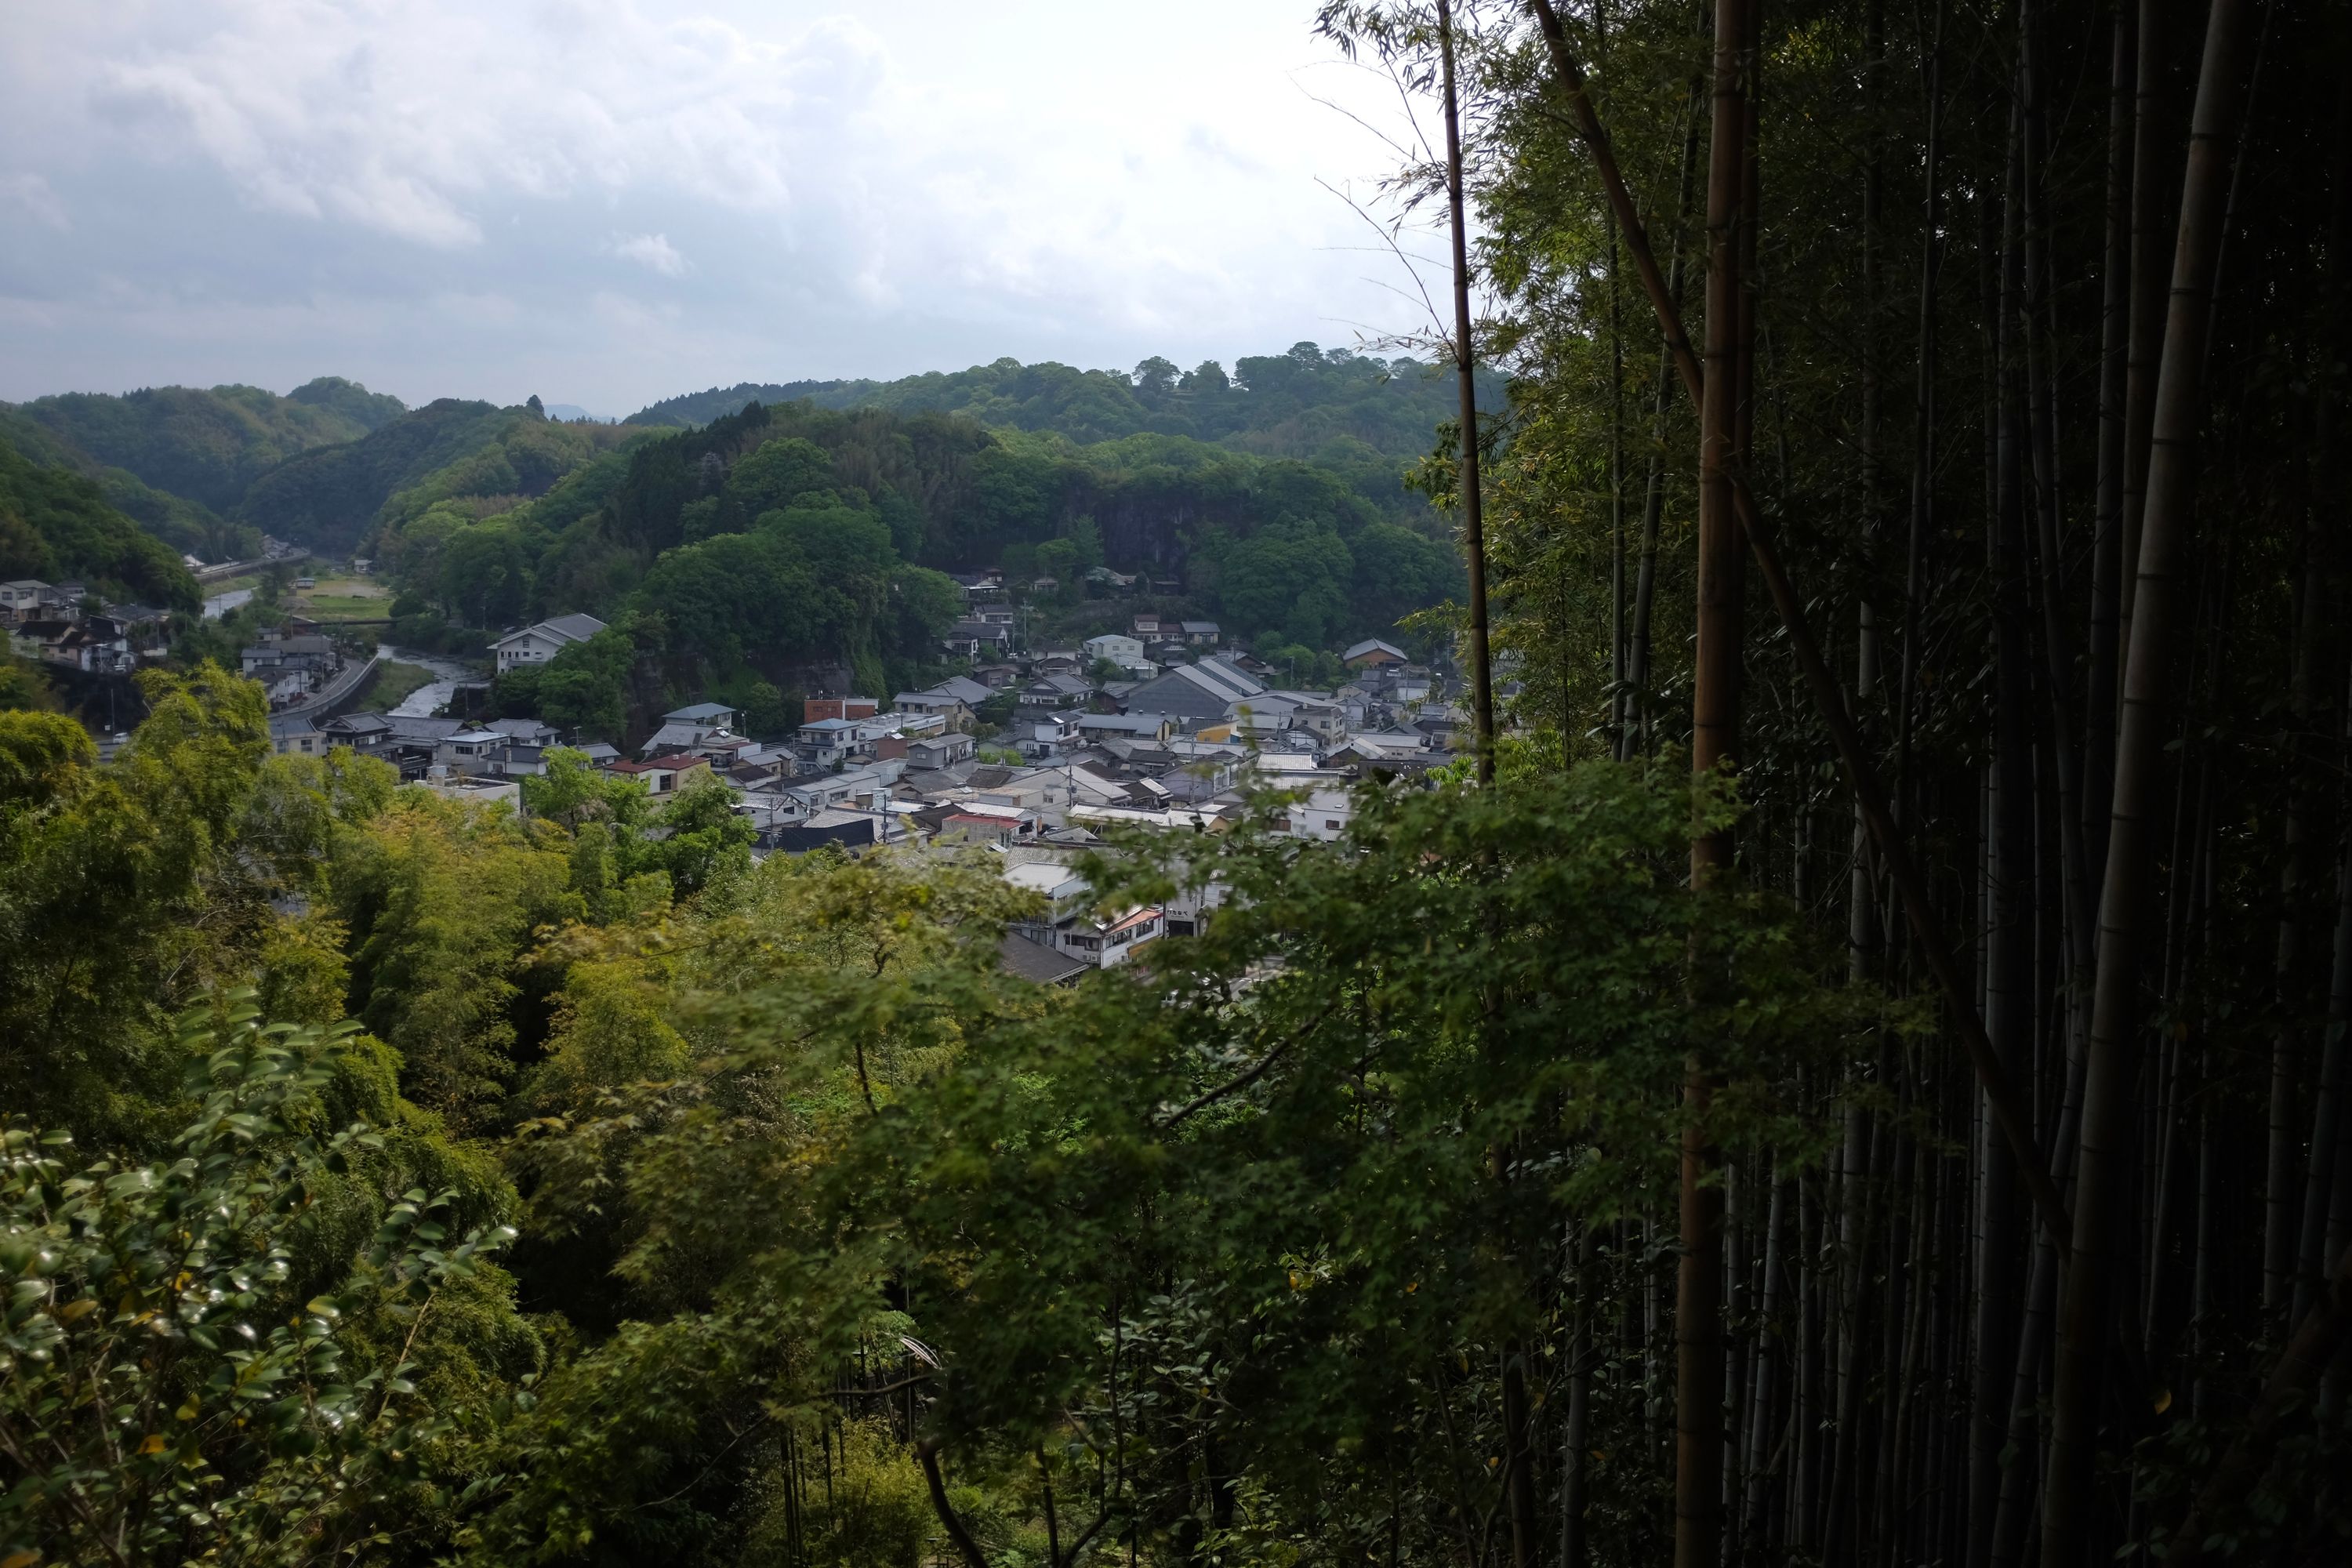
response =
{"points": [[1123, 651], [538, 644]]}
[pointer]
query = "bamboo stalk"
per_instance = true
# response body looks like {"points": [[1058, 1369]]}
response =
{"points": [[1474, 526], [1829, 698], [2102, 1160]]}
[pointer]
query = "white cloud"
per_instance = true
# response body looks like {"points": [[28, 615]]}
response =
{"points": [[864, 192], [32, 193], [651, 250]]}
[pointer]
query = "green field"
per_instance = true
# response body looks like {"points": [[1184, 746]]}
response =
{"points": [[341, 599], [343, 607]]}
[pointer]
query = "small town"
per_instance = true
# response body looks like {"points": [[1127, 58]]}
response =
{"points": [[1028, 758]]}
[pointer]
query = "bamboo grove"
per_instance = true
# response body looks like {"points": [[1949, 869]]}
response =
{"points": [[1985, 520]]}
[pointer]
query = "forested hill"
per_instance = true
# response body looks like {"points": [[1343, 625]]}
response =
{"points": [[176, 461], [793, 539], [1326, 406], [208, 446], [483, 458], [58, 524]]}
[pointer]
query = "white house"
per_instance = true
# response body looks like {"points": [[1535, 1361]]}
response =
{"points": [[24, 599], [1069, 927], [538, 644], [1323, 814], [1123, 651]]}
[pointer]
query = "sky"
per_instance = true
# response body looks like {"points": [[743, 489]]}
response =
{"points": [[607, 202]]}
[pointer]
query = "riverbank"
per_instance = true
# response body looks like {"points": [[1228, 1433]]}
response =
{"points": [[445, 674]]}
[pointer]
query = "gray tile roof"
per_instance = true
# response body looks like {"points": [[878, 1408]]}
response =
{"points": [[1035, 961], [965, 688]]}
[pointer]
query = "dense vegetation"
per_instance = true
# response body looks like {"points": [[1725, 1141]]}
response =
{"points": [[1362, 417], [56, 525], [1295, 403], [2015, 404], [789, 546], [467, 458], [181, 457], [675, 1209]]}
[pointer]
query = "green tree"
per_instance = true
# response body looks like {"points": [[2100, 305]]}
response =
{"points": [[1206, 379], [699, 837], [483, 578], [1155, 378], [124, 893], [1291, 576], [24, 684], [1398, 572], [195, 1367], [440, 898], [774, 475]]}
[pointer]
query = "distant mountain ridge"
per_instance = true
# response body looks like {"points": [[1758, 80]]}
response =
{"points": [[1326, 406], [331, 465], [178, 460], [208, 445]]}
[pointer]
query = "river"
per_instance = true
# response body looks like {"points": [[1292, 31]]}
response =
{"points": [[426, 700], [220, 605]]}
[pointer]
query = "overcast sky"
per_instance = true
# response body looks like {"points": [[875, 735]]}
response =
{"points": [[611, 201]]}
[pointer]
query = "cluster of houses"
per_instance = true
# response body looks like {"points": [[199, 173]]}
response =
{"points": [[456, 756], [1156, 726], [60, 625], [298, 666], [1181, 750]]}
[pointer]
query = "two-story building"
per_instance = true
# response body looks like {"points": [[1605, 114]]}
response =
{"points": [[26, 599], [972, 639], [663, 776], [685, 728], [1123, 651], [1067, 923], [542, 640]]}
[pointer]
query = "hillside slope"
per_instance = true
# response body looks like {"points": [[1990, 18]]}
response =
{"points": [[208, 445], [779, 545], [465, 461], [56, 525]]}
